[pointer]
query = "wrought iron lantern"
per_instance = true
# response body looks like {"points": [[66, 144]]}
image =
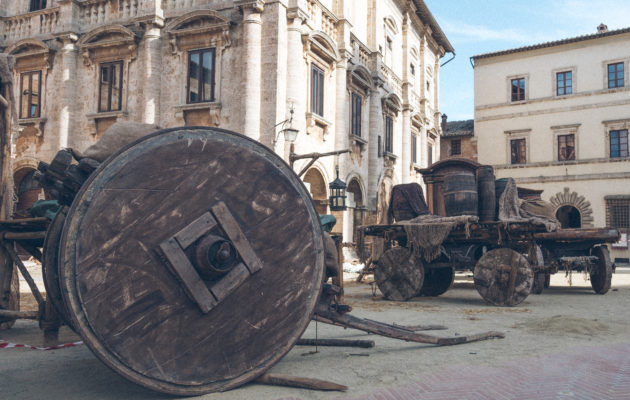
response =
{"points": [[337, 199]]}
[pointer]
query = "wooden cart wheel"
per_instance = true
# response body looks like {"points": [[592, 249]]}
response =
{"points": [[399, 274], [50, 265], [437, 281], [601, 271], [192, 260], [503, 277], [536, 258], [9, 288]]}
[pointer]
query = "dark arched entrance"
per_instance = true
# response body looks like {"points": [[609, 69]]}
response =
{"points": [[318, 189], [569, 217]]}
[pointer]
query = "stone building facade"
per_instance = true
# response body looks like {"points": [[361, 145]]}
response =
{"points": [[555, 116], [458, 139], [357, 74]]}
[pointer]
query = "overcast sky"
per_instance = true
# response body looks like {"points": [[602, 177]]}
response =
{"points": [[481, 26]]}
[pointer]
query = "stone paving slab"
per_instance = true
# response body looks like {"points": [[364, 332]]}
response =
{"points": [[595, 373]]}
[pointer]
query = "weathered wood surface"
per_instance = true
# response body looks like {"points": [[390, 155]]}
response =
{"points": [[598, 235], [130, 308], [366, 344], [399, 274], [601, 272], [299, 382], [9, 289], [437, 281], [324, 314], [503, 277], [50, 266]]}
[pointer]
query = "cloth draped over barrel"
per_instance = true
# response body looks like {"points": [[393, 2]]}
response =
{"points": [[115, 137], [426, 233], [514, 209], [407, 202]]}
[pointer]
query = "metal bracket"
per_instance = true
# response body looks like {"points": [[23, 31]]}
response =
{"points": [[208, 295]]}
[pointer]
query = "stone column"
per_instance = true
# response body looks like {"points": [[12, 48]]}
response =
{"points": [[69, 55], [152, 72], [374, 162], [252, 61], [296, 81], [406, 144]]}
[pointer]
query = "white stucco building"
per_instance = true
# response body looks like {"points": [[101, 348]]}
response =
{"points": [[555, 116], [359, 74]]}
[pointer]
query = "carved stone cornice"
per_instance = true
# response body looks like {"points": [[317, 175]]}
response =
{"points": [[202, 27]]}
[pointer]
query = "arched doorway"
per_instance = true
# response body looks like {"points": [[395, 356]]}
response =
{"points": [[318, 189], [569, 217], [27, 190]]}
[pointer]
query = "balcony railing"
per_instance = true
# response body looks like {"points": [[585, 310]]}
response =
{"points": [[32, 24]]}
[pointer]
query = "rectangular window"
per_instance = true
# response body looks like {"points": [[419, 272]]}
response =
{"points": [[430, 155], [619, 143], [564, 83], [380, 146], [30, 99], [456, 147], [518, 151], [110, 87], [618, 213], [414, 148], [389, 128], [356, 115], [201, 80], [615, 75], [37, 5], [566, 147], [412, 69], [317, 90], [518, 89]]}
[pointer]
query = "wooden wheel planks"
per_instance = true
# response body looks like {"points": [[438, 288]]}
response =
{"points": [[168, 268], [503, 277], [399, 274]]}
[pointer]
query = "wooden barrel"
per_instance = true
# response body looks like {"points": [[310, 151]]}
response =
{"points": [[460, 193], [486, 192]]}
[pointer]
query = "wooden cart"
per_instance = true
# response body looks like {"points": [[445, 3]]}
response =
{"points": [[508, 260]]}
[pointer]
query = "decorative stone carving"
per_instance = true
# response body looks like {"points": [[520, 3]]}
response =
{"points": [[203, 28], [108, 42]]}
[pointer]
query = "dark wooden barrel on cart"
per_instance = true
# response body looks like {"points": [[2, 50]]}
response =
{"points": [[460, 193], [486, 192]]}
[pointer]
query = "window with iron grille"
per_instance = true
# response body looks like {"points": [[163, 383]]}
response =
{"points": [[456, 147], [317, 90], [389, 128], [615, 75], [618, 213], [619, 143], [37, 5], [110, 87], [518, 148], [30, 99], [566, 147], [429, 154], [564, 83], [356, 115], [201, 80], [518, 89], [414, 148]]}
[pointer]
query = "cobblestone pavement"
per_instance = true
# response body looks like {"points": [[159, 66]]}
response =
{"points": [[596, 373]]}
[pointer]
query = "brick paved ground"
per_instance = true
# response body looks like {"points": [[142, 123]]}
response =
{"points": [[596, 373]]}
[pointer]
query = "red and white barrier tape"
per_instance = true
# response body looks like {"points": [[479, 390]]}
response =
{"points": [[7, 345]]}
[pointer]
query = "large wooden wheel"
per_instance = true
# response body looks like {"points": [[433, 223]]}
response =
{"points": [[399, 274], [601, 271], [437, 281], [192, 260], [536, 258], [50, 266], [9, 288], [503, 277]]}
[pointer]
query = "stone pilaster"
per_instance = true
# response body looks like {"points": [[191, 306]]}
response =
{"points": [[69, 56], [251, 53], [152, 74], [374, 162], [296, 74], [405, 160]]}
